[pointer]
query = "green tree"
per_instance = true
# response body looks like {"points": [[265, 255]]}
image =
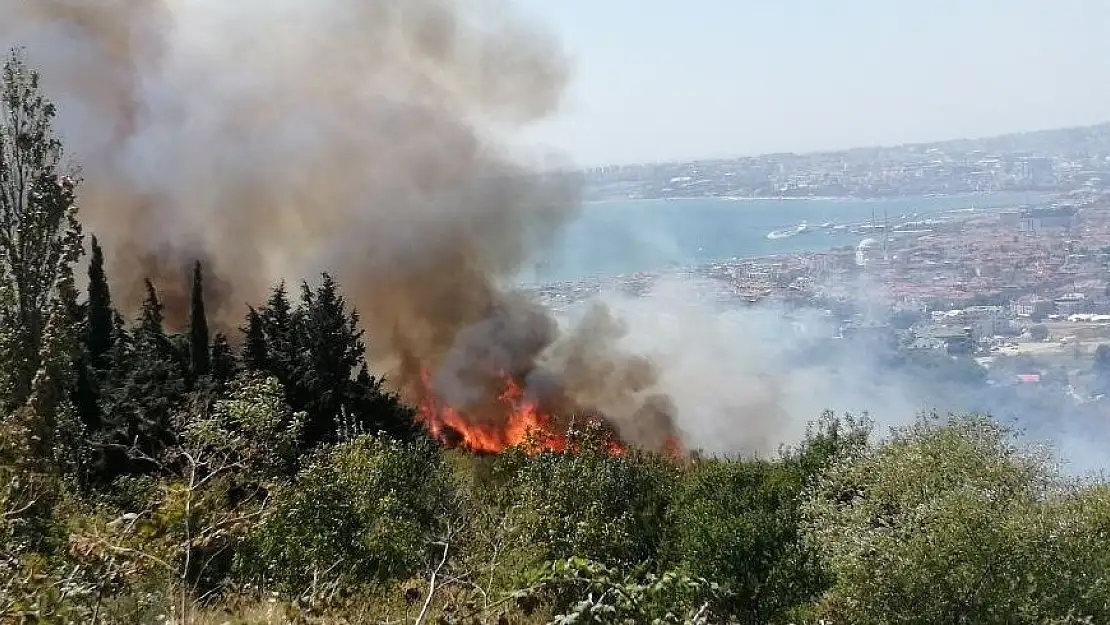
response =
{"points": [[316, 351], [224, 365], [40, 241], [200, 359], [255, 351], [251, 427], [588, 502], [280, 326], [149, 391], [367, 510], [92, 368], [738, 522], [98, 312], [333, 343], [951, 521]]}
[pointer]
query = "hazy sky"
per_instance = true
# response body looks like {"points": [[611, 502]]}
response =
{"points": [[672, 79]]}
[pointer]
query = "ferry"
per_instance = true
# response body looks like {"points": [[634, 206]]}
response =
{"points": [[788, 232]]}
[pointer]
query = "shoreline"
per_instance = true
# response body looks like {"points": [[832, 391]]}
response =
{"points": [[816, 198]]}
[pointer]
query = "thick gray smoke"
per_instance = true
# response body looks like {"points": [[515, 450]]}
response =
{"points": [[272, 139], [746, 380]]}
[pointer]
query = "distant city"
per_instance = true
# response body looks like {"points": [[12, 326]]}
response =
{"points": [[997, 300], [1064, 159]]}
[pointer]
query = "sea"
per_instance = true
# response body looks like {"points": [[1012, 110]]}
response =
{"points": [[622, 237]]}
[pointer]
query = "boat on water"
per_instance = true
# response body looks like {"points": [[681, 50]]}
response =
{"points": [[788, 232], [801, 228]]}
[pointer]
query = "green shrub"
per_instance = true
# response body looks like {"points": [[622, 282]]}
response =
{"points": [[589, 502], [737, 523], [951, 521], [598, 595], [364, 512]]}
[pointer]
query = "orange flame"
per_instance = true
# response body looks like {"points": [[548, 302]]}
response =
{"points": [[524, 423]]}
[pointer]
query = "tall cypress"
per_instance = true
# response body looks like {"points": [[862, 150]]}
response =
{"points": [[199, 357], [98, 310]]}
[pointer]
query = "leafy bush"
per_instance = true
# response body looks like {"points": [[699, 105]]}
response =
{"points": [[600, 595], [366, 511], [253, 427], [589, 502], [737, 523], [951, 521]]}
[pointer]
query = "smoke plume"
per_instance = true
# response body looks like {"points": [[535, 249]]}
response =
{"points": [[272, 139]]}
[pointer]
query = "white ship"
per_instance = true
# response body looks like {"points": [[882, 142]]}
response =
{"points": [[788, 232]]}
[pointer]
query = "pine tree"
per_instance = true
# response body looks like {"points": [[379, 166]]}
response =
{"points": [[107, 453], [256, 355], [86, 397], [122, 344], [224, 366], [316, 352], [199, 357], [150, 390], [98, 314], [150, 332], [373, 410], [281, 325], [332, 342]]}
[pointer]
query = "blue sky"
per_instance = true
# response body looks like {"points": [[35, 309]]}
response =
{"points": [[672, 79]]}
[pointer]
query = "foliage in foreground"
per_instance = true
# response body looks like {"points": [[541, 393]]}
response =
{"points": [[953, 522]]}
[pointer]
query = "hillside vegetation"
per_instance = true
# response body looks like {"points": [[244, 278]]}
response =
{"points": [[149, 476]]}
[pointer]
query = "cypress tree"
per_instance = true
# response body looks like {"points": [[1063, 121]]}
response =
{"points": [[120, 355], [98, 311], [199, 357]]}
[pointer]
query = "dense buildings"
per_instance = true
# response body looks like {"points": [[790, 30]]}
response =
{"points": [[1031, 282], [1077, 158]]}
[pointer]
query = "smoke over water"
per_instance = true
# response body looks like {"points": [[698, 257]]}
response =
{"points": [[272, 139]]}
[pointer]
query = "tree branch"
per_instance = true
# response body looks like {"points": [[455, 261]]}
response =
{"points": [[432, 585]]}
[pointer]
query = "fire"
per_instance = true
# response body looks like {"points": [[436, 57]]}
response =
{"points": [[524, 424]]}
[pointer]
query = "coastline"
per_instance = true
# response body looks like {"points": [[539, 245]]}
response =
{"points": [[813, 198]]}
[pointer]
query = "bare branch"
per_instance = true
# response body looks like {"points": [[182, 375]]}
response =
{"points": [[432, 585]]}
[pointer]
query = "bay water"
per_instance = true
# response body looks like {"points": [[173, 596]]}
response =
{"points": [[623, 237]]}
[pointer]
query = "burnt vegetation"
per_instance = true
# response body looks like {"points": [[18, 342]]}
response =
{"points": [[267, 475]]}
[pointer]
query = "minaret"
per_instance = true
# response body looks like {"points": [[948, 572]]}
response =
{"points": [[886, 228]]}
